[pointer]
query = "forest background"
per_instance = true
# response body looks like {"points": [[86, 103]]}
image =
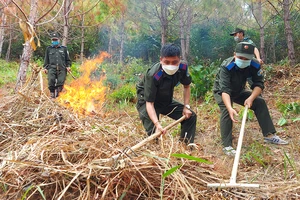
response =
{"points": [[132, 32]]}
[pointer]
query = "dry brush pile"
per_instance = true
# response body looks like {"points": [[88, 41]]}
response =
{"points": [[49, 152]]}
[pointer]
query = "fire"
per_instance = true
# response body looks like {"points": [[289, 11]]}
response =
{"points": [[84, 95]]}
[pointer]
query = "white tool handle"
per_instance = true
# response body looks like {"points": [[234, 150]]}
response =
{"points": [[239, 147]]}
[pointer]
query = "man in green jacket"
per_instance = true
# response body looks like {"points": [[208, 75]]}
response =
{"points": [[56, 64], [155, 94], [229, 87], [239, 36]]}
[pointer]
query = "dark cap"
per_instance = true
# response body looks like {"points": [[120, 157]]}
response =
{"points": [[237, 30], [245, 49], [54, 36]]}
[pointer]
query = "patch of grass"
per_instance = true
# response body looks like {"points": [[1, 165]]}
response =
{"points": [[291, 161], [256, 154], [8, 72]]}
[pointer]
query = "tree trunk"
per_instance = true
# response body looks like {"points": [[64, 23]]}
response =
{"points": [[261, 30], [2, 28], [185, 30], [188, 31], [82, 38], [110, 44], [122, 34], [182, 34], [27, 50], [273, 48], [67, 9], [164, 21], [7, 56], [289, 32]]}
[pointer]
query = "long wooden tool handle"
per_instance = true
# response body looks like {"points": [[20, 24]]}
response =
{"points": [[72, 75], [238, 148], [151, 137], [155, 135]]}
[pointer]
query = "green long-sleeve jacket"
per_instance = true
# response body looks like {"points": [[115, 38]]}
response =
{"points": [[232, 80], [57, 56], [158, 87]]}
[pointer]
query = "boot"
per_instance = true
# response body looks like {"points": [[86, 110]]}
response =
{"points": [[52, 95], [58, 90]]}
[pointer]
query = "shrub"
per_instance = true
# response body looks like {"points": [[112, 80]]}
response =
{"points": [[203, 79], [126, 92]]}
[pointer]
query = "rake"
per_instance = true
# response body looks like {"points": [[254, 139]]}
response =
{"points": [[232, 182]]}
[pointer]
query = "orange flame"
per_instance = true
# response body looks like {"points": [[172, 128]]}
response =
{"points": [[84, 95]]}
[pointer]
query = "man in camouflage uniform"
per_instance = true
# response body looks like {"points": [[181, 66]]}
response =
{"points": [[229, 87], [56, 64], [155, 94]]}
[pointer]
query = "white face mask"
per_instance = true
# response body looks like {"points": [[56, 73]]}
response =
{"points": [[237, 39], [242, 63], [170, 69]]}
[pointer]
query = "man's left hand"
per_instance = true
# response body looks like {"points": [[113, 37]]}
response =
{"points": [[69, 69], [260, 61], [186, 112]]}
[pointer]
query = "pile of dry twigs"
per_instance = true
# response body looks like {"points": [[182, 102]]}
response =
{"points": [[49, 152]]}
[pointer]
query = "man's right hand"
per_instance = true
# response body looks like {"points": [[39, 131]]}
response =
{"points": [[232, 113], [160, 128], [46, 71]]}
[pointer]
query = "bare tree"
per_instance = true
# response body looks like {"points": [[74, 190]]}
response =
{"points": [[288, 31], [261, 29], [27, 50], [122, 38], [66, 11], [2, 28], [286, 5], [164, 20], [10, 36], [185, 20]]}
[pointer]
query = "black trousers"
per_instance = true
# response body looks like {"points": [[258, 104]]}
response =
{"points": [[174, 111], [260, 110]]}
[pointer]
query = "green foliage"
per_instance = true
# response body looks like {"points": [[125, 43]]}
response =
{"points": [[250, 114], [269, 72], [289, 110], [209, 96], [8, 72], [41, 192], [282, 121], [113, 74], [211, 41], [3, 187], [130, 72], [203, 78], [24, 196], [256, 153], [188, 157], [75, 69], [293, 108], [291, 162], [170, 171], [126, 93], [133, 69]]}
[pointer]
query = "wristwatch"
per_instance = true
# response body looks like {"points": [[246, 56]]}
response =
{"points": [[188, 106]]}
